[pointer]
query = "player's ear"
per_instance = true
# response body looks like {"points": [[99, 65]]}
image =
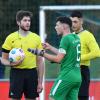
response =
{"points": [[18, 23], [65, 26], [81, 21]]}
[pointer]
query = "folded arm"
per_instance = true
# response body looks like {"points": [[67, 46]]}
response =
{"points": [[94, 51]]}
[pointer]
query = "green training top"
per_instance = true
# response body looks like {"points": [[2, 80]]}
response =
{"points": [[71, 45]]}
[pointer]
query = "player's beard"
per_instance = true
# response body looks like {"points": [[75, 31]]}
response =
{"points": [[24, 29]]}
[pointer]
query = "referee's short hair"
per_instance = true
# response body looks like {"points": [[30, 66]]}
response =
{"points": [[20, 14], [76, 13]]}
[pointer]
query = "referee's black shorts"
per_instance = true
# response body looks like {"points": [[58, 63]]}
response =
{"points": [[84, 88], [23, 81]]}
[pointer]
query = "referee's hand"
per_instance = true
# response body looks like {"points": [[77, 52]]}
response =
{"points": [[17, 63], [39, 88]]}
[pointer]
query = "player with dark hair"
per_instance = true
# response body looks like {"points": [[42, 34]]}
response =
{"points": [[89, 50], [66, 86], [25, 76]]}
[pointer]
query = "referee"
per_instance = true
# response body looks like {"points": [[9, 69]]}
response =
{"points": [[26, 77], [89, 50]]}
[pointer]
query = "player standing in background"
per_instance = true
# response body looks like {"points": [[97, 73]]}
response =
{"points": [[67, 84], [89, 50], [25, 77]]}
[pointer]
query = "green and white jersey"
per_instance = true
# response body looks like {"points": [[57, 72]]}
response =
{"points": [[70, 46], [68, 82]]}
